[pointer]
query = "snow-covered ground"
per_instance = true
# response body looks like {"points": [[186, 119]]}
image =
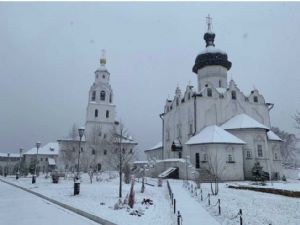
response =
{"points": [[22, 208], [91, 195], [258, 208]]}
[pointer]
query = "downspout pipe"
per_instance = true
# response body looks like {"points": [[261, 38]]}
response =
{"points": [[163, 134], [195, 114]]}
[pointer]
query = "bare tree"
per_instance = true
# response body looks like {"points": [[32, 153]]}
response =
{"points": [[120, 154], [288, 144], [73, 133], [296, 117], [216, 166]]}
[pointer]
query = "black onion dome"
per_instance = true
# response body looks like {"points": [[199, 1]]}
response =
{"points": [[211, 56]]}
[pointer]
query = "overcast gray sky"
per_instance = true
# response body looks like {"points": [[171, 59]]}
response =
{"points": [[49, 52]]}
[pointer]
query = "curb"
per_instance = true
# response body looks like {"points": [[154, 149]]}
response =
{"points": [[74, 210]]}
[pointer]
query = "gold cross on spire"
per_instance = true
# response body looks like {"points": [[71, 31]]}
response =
{"points": [[209, 23]]}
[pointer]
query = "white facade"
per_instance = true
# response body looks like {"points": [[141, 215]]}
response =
{"points": [[98, 149], [215, 102]]}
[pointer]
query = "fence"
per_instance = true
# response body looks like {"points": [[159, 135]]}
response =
{"points": [[173, 202], [194, 192]]}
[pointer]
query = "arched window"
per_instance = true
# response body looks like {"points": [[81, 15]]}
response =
{"points": [[209, 92], [96, 112], [102, 95], [233, 95], [93, 152], [105, 152], [107, 114], [94, 96], [255, 99], [110, 98]]}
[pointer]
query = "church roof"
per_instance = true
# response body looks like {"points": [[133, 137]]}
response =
{"points": [[242, 121], [157, 146], [51, 148], [272, 136], [214, 134]]}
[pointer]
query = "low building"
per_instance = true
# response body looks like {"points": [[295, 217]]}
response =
{"points": [[154, 152], [46, 157], [9, 163]]}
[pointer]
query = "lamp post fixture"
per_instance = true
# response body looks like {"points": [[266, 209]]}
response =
{"points": [[77, 178], [19, 168], [38, 144]]}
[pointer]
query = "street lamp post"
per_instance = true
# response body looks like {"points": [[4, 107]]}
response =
{"points": [[19, 168], [7, 166], [186, 167], [38, 144], [77, 178]]}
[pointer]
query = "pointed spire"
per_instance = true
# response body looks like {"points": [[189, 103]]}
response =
{"points": [[103, 58]]}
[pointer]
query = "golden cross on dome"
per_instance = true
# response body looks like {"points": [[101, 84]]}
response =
{"points": [[209, 23]]}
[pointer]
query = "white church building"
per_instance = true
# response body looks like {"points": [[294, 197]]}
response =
{"points": [[215, 126], [98, 147]]}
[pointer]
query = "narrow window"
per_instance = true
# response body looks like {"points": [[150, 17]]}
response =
{"points": [[275, 156], [197, 158], [96, 113], [177, 101], [107, 114], [110, 98], [105, 152], [191, 129], [233, 95], [131, 151], [94, 96], [255, 99], [102, 95], [93, 152], [259, 151], [248, 155], [179, 155], [209, 92], [220, 83], [230, 158], [104, 136], [189, 96], [205, 157]]}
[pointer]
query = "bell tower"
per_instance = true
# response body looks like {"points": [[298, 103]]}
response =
{"points": [[101, 113]]}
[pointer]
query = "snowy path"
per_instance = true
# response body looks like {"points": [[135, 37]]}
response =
{"points": [[22, 208], [192, 212]]}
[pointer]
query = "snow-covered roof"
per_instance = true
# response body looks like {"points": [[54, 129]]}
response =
{"points": [[242, 121], [211, 49], [214, 134], [51, 148], [12, 155], [272, 136], [167, 172], [155, 147], [51, 162]]}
